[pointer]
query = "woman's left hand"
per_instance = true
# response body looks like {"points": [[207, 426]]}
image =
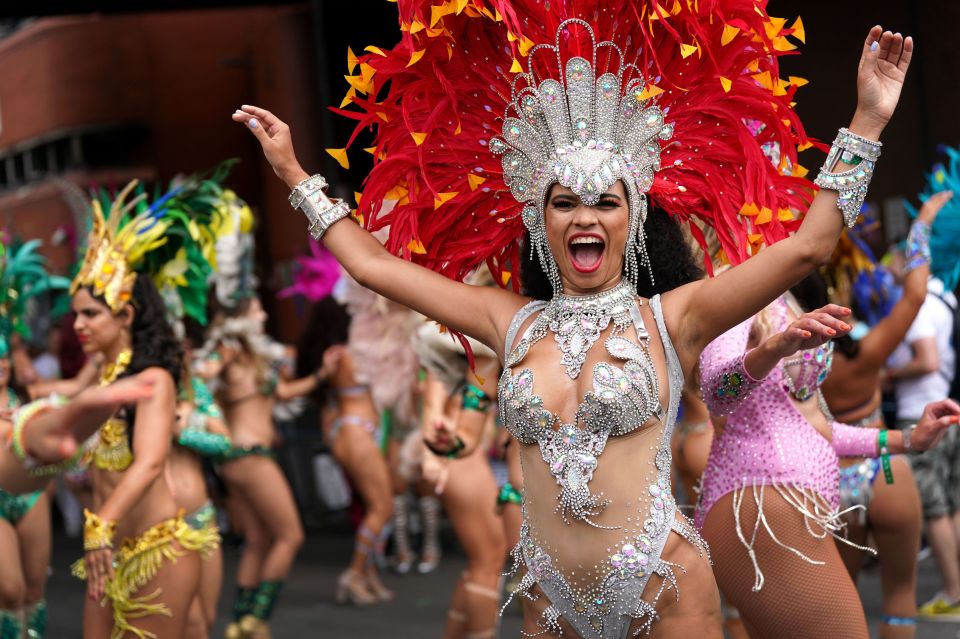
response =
{"points": [[880, 76], [933, 424], [99, 570], [811, 330]]}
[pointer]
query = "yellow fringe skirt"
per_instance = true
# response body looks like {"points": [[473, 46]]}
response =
{"points": [[137, 562]]}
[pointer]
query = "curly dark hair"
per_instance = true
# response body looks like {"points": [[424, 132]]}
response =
{"points": [[671, 260], [327, 325], [813, 292]]}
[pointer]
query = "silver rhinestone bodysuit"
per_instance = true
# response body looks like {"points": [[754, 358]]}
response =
{"points": [[598, 506]]}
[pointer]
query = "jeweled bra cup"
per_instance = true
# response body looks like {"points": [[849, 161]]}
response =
{"points": [[596, 582]]}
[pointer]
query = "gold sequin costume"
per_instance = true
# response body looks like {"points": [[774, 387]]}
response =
{"points": [[138, 560], [125, 235]]}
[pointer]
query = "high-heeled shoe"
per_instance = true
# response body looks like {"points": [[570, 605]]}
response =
{"points": [[352, 588], [376, 587], [233, 631], [429, 560], [403, 564], [254, 628]]}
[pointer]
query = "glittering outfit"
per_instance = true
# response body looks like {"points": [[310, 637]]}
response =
{"points": [[13, 507], [766, 441], [139, 239], [197, 438], [510, 97], [600, 507], [137, 561]]}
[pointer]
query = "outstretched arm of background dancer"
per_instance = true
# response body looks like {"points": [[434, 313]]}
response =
{"points": [[704, 309], [478, 311], [889, 332], [55, 435], [67, 387], [929, 430], [288, 389]]}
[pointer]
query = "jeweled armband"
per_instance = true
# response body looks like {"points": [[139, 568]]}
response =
{"points": [[725, 390], [97, 532], [204, 443], [474, 398], [917, 253], [509, 495], [310, 197], [852, 184], [22, 417]]}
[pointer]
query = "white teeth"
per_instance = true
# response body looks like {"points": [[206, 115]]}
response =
{"points": [[586, 240]]}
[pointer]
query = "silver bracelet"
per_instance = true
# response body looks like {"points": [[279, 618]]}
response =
{"points": [[907, 433], [310, 197], [851, 184], [917, 252]]}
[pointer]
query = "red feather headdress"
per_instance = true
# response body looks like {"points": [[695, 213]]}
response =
{"points": [[438, 97]]}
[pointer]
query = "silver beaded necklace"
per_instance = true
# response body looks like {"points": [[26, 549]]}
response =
{"points": [[577, 322]]}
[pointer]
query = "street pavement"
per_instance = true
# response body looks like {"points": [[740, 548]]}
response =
{"points": [[307, 610]]}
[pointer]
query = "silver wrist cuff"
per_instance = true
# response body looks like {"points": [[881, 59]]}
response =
{"points": [[310, 197], [851, 184], [907, 435]]}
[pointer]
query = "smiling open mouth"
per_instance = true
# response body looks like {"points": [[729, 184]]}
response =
{"points": [[586, 252]]}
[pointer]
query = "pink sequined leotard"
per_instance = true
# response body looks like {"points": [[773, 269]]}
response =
{"points": [[766, 441]]}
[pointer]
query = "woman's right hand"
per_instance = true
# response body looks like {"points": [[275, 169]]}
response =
{"points": [[811, 330], [435, 470], [331, 363], [274, 137], [931, 208], [440, 433], [880, 76], [99, 565]]}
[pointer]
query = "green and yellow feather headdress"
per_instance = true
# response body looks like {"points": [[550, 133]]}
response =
{"points": [[169, 239]]}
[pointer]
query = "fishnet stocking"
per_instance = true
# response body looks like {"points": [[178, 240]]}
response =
{"points": [[797, 599]]}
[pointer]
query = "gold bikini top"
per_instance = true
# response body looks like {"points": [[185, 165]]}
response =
{"points": [[112, 451], [113, 448]]}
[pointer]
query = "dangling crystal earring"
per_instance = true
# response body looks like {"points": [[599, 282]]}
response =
{"points": [[642, 239], [533, 220]]}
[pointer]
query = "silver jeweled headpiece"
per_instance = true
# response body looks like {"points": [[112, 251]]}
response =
{"points": [[585, 134]]}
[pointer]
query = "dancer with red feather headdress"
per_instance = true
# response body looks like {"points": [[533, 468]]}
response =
{"points": [[569, 180]]}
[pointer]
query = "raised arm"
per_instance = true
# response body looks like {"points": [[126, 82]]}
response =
{"points": [[479, 312], [884, 338], [730, 372], [706, 308]]}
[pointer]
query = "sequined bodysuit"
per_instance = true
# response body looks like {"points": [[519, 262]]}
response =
{"points": [[593, 531], [766, 441]]}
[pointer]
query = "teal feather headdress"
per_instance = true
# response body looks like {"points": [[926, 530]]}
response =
{"points": [[23, 276], [945, 235]]}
